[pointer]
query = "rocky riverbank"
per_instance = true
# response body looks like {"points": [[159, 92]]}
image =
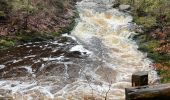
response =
{"points": [[25, 21], [154, 18]]}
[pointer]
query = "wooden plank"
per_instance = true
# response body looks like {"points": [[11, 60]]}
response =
{"points": [[155, 92]]}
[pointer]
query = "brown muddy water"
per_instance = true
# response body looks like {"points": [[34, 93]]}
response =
{"points": [[95, 62]]}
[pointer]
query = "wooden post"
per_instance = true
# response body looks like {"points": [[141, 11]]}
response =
{"points": [[155, 92], [140, 79]]}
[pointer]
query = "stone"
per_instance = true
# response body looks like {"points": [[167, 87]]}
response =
{"points": [[124, 7]]}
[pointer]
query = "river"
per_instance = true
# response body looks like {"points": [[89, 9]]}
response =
{"points": [[94, 62]]}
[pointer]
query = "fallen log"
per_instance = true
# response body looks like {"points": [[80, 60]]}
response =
{"points": [[155, 92]]}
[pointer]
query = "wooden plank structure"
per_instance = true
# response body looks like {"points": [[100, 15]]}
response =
{"points": [[141, 92], [155, 92]]}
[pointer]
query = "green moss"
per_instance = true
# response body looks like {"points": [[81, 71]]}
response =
{"points": [[33, 37], [68, 28], [141, 38], [22, 4], [165, 76], [165, 80], [5, 5], [149, 45], [25, 38], [146, 13], [2, 13], [4, 43], [55, 34], [159, 58], [168, 18], [162, 58], [147, 21], [168, 62]]}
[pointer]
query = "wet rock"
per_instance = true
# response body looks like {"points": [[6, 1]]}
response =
{"points": [[75, 54], [4, 94], [55, 69], [116, 4], [2, 66], [124, 7], [73, 70], [13, 85], [2, 91]]}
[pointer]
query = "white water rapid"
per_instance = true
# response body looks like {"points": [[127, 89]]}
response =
{"points": [[103, 37]]}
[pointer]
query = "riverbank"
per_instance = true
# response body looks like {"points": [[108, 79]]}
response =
{"points": [[154, 19], [32, 21]]}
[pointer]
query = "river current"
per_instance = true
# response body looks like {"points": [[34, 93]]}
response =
{"points": [[94, 62]]}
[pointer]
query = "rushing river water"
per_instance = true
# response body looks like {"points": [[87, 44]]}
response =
{"points": [[95, 62]]}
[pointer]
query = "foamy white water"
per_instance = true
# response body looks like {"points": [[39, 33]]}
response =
{"points": [[103, 35]]}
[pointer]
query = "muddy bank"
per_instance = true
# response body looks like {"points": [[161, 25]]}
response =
{"points": [[30, 21]]}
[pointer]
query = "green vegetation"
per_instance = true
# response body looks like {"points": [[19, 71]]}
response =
{"points": [[68, 28], [154, 16], [35, 20], [151, 21], [146, 12], [6, 42], [149, 45], [5, 8], [5, 5], [24, 38], [2, 13], [165, 74]]}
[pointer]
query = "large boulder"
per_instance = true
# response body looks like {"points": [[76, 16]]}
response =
{"points": [[124, 7]]}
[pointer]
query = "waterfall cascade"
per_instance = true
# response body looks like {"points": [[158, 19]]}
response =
{"points": [[93, 63]]}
